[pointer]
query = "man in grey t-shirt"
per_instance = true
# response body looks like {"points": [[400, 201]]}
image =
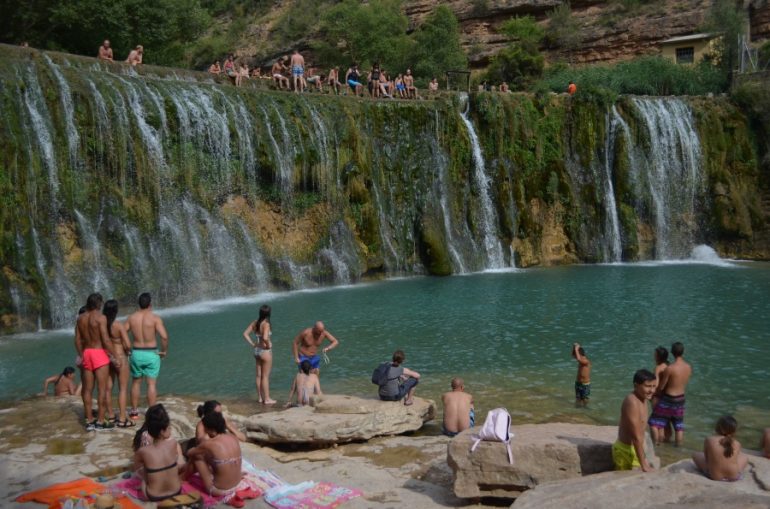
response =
{"points": [[400, 381]]}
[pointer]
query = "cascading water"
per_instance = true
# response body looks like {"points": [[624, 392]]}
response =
{"points": [[73, 139], [673, 174], [614, 250], [492, 247]]}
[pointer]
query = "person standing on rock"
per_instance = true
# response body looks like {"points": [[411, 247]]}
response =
{"points": [[146, 327], [628, 449], [400, 382], [670, 406], [459, 414], [307, 342], [94, 347], [583, 379], [263, 353], [298, 71]]}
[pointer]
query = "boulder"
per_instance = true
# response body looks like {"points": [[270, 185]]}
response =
{"points": [[541, 453], [678, 485], [333, 419]]}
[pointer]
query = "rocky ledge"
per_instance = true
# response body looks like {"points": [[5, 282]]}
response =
{"points": [[541, 453], [678, 485], [333, 419]]}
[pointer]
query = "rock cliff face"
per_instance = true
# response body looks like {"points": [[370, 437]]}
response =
{"points": [[609, 30]]}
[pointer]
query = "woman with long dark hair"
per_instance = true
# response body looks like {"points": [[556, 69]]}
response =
{"points": [[263, 354], [122, 349]]}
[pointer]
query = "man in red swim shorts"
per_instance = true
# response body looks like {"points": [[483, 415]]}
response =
{"points": [[93, 345]]}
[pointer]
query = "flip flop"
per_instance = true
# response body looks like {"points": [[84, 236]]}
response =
{"points": [[128, 423]]}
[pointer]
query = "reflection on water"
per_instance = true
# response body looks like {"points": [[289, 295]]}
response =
{"points": [[509, 335]]}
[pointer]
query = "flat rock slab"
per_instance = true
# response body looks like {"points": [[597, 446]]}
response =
{"points": [[333, 419], [541, 453], [678, 485]]}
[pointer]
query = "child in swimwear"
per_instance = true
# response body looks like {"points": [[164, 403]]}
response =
{"points": [[722, 459], [305, 384]]}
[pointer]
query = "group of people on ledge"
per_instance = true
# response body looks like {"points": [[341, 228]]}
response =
{"points": [[134, 56]]}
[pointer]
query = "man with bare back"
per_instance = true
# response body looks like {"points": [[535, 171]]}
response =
{"points": [[670, 392], [308, 341], [95, 348], [146, 327], [298, 71]]}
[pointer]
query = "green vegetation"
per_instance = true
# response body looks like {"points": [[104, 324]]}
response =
{"points": [[437, 45], [521, 63], [563, 30], [643, 76], [726, 18]]}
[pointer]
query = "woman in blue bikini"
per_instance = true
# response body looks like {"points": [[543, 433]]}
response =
{"points": [[263, 354]]}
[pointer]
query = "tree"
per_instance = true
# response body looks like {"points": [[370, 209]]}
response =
{"points": [[437, 45], [563, 30], [365, 33], [728, 20], [521, 62]]}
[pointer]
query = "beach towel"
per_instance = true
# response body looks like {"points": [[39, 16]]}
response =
{"points": [[248, 488], [309, 495], [81, 488]]}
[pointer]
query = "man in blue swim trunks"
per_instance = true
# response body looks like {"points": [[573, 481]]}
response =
{"points": [[298, 71], [458, 409], [308, 341], [146, 327]]}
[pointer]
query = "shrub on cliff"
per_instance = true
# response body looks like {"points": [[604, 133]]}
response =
{"points": [[521, 63], [437, 46]]}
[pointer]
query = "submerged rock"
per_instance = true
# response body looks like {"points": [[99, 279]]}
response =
{"points": [[333, 419], [677, 485], [541, 453]]}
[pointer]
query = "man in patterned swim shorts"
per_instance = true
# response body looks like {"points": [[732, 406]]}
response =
{"points": [[670, 407], [146, 327], [95, 348], [583, 380]]}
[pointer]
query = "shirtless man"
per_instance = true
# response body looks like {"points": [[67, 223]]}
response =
{"points": [[671, 387], [94, 347], [411, 90], [298, 71], [105, 52], [458, 409], [308, 341], [628, 449], [215, 68], [145, 326], [333, 80], [583, 379], [277, 72], [135, 57]]}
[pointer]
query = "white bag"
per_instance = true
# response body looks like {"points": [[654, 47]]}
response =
{"points": [[496, 428]]}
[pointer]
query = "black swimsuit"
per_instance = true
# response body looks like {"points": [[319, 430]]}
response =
{"points": [[154, 498]]}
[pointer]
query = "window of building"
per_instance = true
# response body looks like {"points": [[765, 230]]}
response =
{"points": [[685, 55]]}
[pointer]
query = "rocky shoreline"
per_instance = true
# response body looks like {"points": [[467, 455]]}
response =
{"points": [[42, 442]]}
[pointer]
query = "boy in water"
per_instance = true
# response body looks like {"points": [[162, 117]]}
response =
{"points": [[583, 379], [628, 449]]}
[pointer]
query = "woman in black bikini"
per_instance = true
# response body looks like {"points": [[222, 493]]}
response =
{"points": [[263, 354], [159, 462]]}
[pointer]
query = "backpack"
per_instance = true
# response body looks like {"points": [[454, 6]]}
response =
{"points": [[496, 428], [380, 374]]}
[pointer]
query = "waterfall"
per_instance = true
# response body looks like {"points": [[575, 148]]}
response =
{"points": [[673, 173], [612, 223], [492, 247], [40, 126], [99, 281], [73, 139]]}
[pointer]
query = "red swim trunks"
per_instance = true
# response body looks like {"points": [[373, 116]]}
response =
{"points": [[95, 358]]}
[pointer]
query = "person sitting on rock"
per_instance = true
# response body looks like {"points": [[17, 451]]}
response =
{"points": [[218, 459], [215, 68], [63, 384], [400, 381], [205, 409], [722, 459], [305, 384], [159, 463], [458, 409]]}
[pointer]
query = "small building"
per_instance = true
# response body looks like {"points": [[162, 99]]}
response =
{"points": [[688, 49]]}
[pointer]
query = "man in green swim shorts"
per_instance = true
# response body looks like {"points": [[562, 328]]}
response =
{"points": [[146, 327]]}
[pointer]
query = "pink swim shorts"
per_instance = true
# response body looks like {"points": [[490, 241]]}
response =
{"points": [[95, 358]]}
